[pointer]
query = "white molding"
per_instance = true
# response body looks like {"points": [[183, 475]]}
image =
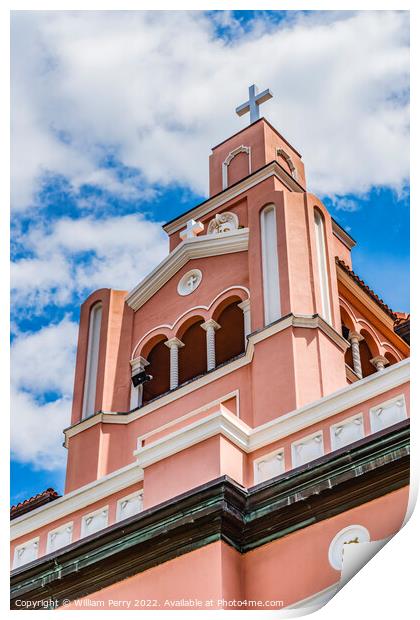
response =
{"points": [[191, 414], [270, 330], [270, 265], [249, 439], [201, 210], [311, 322], [190, 310], [280, 152], [236, 430], [197, 247], [342, 235], [216, 423], [229, 158], [75, 500], [330, 405]]}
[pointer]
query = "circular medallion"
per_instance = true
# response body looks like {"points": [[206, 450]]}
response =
{"points": [[349, 535], [189, 282]]}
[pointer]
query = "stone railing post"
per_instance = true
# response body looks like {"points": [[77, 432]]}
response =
{"points": [[379, 362], [173, 345], [354, 339], [210, 328]]}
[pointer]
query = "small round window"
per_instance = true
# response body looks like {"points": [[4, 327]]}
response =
{"points": [[347, 536], [189, 282]]}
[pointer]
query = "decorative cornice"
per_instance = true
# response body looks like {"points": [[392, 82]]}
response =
{"points": [[221, 510], [350, 396], [344, 237], [398, 370], [250, 439], [75, 500], [221, 422], [197, 247], [201, 210], [290, 320]]}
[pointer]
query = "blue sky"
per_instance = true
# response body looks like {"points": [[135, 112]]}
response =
{"points": [[113, 118]]}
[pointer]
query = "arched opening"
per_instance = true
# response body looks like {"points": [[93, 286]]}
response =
{"points": [[391, 358], [365, 357], [321, 252], [193, 355], [230, 339], [270, 265], [92, 361], [158, 367], [347, 326], [368, 350]]}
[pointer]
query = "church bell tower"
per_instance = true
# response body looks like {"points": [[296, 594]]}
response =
{"points": [[242, 409]]}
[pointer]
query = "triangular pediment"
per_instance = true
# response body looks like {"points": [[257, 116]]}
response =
{"points": [[197, 247]]}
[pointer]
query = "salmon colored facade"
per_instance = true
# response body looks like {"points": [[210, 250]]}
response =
{"points": [[249, 358]]}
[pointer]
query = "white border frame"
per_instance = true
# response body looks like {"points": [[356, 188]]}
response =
{"points": [[25, 544], [58, 529], [138, 493], [383, 405], [83, 533], [294, 445], [356, 416], [337, 536], [180, 289], [264, 458]]}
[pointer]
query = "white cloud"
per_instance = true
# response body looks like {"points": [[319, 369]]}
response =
{"points": [[160, 89], [74, 257], [117, 252], [42, 361], [37, 431]]}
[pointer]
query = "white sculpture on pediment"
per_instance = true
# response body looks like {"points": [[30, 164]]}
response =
{"points": [[222, 223]]}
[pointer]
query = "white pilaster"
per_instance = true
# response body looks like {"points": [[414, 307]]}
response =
{"points": [[210, 328], [136, 398], [379, 362], [173, 345], [354, 339], [245, 306]]}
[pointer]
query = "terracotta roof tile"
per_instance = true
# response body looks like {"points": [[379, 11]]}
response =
{"points": [[31, 503], [367, 289]]}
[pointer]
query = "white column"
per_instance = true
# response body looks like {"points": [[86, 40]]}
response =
{"points": [[173, 345], [379, 362], [137, 366], [245, 306], [210, 328], [354, 339]]}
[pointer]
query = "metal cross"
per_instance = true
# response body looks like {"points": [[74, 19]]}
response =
{"points": [[192, 230], [253, 104]]}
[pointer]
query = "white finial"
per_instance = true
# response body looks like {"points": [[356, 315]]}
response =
{"points": [[192, 230], [253, 104]]}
